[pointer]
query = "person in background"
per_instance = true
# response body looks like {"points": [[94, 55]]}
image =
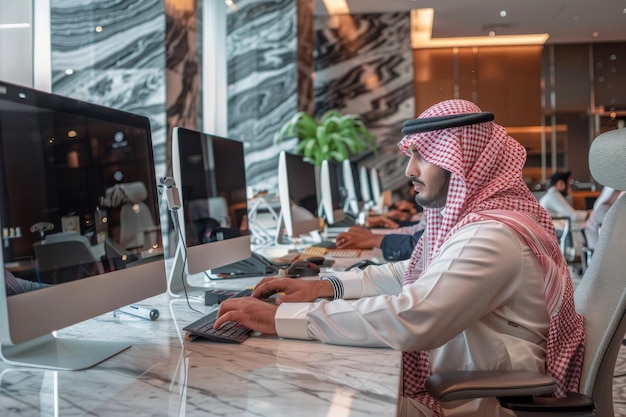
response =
{"points": [[556, 203], [395, 246], [486, 287], [403, 212]]}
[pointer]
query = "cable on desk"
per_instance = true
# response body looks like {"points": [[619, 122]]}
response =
{"points": [[173, 204]]}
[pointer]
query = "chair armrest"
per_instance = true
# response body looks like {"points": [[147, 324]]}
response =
{"points": [[462, 385], [573, 403]]}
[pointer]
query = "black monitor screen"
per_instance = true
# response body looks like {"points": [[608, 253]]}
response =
{"points": [[337, 185], [213, 184], [302, 185], [78, 173]]}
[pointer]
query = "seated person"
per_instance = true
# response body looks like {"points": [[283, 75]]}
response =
{"points": [[392, 219], [396, 246], [556, 204], [486, 289], [403, 212]]}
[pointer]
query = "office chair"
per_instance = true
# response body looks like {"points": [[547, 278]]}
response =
{"points": [[600, 298], [137, 228], [65, 256], [562, 226]]}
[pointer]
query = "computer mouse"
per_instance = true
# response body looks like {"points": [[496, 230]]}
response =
{"points": [[317, 260], [303, 269]]}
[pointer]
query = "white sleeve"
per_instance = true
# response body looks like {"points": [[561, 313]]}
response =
{"points": [[474, 273], [558, 206]]}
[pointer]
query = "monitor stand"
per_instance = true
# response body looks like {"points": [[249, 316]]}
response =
{"points": [[177, 283], [65, 354]]}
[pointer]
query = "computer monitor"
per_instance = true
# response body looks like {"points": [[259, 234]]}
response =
{"points": [[297, 189], [365, 185], [332, 192], [210, 174], [353, 202], [80, 224], [375, 187]]}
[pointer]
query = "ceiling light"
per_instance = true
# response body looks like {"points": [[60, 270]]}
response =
{"points": [[336, 7], [503, 13], [14, 25], [421, 35]]}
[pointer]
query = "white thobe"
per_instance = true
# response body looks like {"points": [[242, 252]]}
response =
{"points": [[479, 305]]}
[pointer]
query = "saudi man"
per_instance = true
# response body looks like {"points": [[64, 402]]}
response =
{"points": [[486, 287]]}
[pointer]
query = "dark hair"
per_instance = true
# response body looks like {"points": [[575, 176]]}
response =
{"points": [[557, 176]]}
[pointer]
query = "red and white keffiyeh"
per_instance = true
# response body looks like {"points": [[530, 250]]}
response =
{"points": [[486, 183]]}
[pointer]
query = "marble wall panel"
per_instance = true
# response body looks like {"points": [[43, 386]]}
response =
{"points": [[182, 68], [262, 81], [364, 65], [112, 52]]}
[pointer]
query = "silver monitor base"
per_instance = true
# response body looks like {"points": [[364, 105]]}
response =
{"points": [[50, 352]]}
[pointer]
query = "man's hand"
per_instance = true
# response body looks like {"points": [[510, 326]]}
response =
{"points": [[358, 238], [381, 221], [295, 290], [248, 312]]}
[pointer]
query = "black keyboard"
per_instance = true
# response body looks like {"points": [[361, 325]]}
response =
{"points": [[229, 332]]}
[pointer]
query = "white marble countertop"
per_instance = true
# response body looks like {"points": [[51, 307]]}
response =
{"points": [[162, 376]]}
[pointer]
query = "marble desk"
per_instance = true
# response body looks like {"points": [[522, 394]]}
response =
{"points": [[163, 375]]}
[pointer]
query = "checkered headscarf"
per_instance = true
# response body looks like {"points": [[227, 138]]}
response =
{"points": [[486, 183]]}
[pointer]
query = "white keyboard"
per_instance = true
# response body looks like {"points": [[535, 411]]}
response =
{"points": [[335, 253]]}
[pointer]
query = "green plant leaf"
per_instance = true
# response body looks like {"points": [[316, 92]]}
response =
{"points": [[333, 136]]}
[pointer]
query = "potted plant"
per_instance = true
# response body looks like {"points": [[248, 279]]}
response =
{"points": [[334, 136]]}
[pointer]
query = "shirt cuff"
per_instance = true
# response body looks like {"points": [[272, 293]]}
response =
{"points": [[291, 320], [352, 282]]}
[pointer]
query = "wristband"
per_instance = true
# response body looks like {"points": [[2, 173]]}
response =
{"points": [[337, 286]]}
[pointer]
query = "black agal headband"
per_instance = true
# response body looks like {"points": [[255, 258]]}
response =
{"points": [[445, 122]]}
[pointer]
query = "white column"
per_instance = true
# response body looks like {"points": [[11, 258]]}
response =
{"points": [[16, 42], [214, 76]]}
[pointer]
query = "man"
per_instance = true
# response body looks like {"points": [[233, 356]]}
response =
{"points": [[555, 202], [486, 287]]}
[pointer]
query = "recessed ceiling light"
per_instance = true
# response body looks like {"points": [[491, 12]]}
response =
{"points": [[595, 34], [492, 33], [422, 28], [502, 13]]}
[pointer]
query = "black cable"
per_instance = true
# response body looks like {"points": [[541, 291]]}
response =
{"points": [[173, 204]]}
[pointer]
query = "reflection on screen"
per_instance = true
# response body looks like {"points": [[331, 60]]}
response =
{"points": [[302, 185], [213, 183], [77, 197]]}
